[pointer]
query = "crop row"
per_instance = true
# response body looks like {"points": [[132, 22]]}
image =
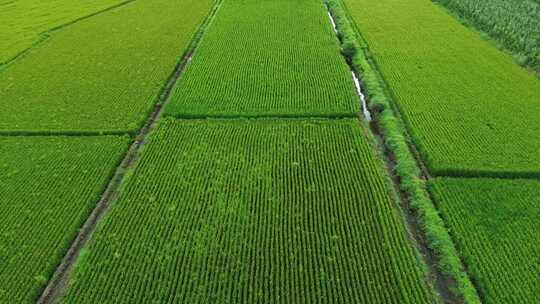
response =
{"points": [[495, 223], [267, 58], [264, 211], [102, 73], [468, 107], [23, 21], [49, 186], [513, 24]]}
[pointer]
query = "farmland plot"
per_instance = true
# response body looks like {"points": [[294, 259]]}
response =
{"points": [[49, 186], [495, 223], [264, 211], [468, 107], [267, 58], [103, 73], [23, 21]]}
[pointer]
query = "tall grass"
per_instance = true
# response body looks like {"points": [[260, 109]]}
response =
{"points": [[515, 25]]}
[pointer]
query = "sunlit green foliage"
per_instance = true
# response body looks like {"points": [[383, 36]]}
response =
{"points": [[49, 185], [261, 211], [470, 109], [267, 58], [495, 223]]}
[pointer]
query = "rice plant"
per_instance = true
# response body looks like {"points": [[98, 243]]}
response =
{"points": [[515, 25]]}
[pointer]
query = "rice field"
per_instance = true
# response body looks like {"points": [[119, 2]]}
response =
{"points": [[214, 151], [26, 22], [267, 58], [49, 187], [469, 108], [263, 211], [101, 74], [495, 223]]}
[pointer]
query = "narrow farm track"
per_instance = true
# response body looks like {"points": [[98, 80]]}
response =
{"points": [[30, 276], [56, 285]]}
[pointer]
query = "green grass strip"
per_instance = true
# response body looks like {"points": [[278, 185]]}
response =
{"points": [[410, 182]]}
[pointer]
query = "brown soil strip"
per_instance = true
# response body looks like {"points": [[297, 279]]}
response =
{"points": [[60, 279]]}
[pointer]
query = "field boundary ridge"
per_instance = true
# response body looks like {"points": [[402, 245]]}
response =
{"points": [[412, 183]]}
